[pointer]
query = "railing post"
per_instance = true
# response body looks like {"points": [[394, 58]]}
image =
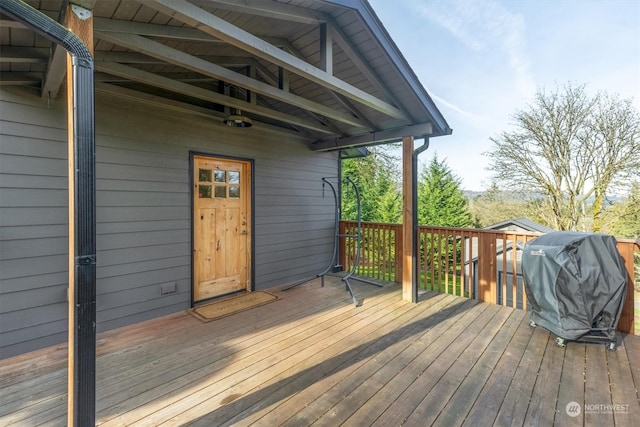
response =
{"points": [[627, 319], [399, 256], [342, 253], [486, 268]]}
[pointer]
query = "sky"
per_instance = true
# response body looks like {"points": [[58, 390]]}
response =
{"points": [[483, 60]]}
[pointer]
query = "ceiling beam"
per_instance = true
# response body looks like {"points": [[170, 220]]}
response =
{"points": [[344, 101], [174, 105], [182, 59], [154, 80], [139, 58], [271, 9], [56, 71], [375, 138], [8, 23], [282, 81], [219, 28], [153, 30], [167, 31], [13, 78], [24, 55]]}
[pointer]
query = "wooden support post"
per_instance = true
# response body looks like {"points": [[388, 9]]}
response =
{"points": [[407, 220], [487, 269], [81, 391], [627, 320], [326, 49]]}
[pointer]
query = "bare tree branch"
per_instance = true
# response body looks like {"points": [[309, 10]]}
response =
{"points": [[569, 148]]}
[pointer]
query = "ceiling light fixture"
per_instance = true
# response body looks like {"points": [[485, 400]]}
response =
{"points": [[237, 120]]}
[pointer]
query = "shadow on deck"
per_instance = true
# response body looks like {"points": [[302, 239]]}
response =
{"points": [[312, 357]]}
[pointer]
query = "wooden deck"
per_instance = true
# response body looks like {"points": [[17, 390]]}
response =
{"points": [[313, 358]]}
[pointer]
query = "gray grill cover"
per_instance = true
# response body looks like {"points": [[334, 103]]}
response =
{"points": [[575, 283]]}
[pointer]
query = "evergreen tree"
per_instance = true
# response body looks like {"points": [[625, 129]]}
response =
{"points": [[623, 218], [377, 177], [441, 202]]}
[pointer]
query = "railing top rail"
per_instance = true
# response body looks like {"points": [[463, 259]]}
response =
{"points": [[635, 242], [482, 231], [384, 224]]}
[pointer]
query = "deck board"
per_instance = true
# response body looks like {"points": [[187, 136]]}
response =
{"points": [[485, 408], [571, 381], [314, 383], [542, 406], [597, 387], [456, 409], [312, 357]]}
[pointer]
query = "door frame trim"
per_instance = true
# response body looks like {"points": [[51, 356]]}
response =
{"points": [[252, 249]]}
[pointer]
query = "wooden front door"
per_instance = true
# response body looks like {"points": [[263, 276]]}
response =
{"points": [[221, 226]]}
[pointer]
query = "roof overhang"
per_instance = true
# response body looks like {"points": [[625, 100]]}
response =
{"points": [[324, 69]]}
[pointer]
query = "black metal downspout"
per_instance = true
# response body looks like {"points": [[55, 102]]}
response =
{"points": [[84, 198], [414, 226]]}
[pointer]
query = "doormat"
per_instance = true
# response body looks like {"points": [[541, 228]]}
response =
{"points": [[227, 307]]}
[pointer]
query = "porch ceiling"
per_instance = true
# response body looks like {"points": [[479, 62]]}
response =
{"points": [[326, 69]]}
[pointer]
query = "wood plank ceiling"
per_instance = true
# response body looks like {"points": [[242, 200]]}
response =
{"points": [[324, 69]]}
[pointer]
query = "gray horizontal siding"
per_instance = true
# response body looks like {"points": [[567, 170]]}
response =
{"points": [[143, 212], [30, 273], [15, 217], [33, 317]]}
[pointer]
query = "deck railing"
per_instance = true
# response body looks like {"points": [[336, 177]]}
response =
{"points": [[473, 263]]}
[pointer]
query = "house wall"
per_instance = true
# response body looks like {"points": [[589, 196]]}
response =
{"points": [[143, 211]]}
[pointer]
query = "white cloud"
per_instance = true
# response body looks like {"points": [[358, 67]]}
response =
{"points": [[483, 27], [473, 118]]}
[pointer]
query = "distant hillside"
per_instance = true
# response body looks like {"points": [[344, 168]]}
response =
{"points": [[470, 194]]}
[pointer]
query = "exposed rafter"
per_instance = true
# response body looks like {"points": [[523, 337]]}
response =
{"points": [[151, 79], [24, 55], [281, 81], [139, 58], [54, 76], [19, 79], [346, 103], [167, 32], [282, 53], [174, 105], [153, 30], [219, 28], [284, 12], [177, 57]]}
